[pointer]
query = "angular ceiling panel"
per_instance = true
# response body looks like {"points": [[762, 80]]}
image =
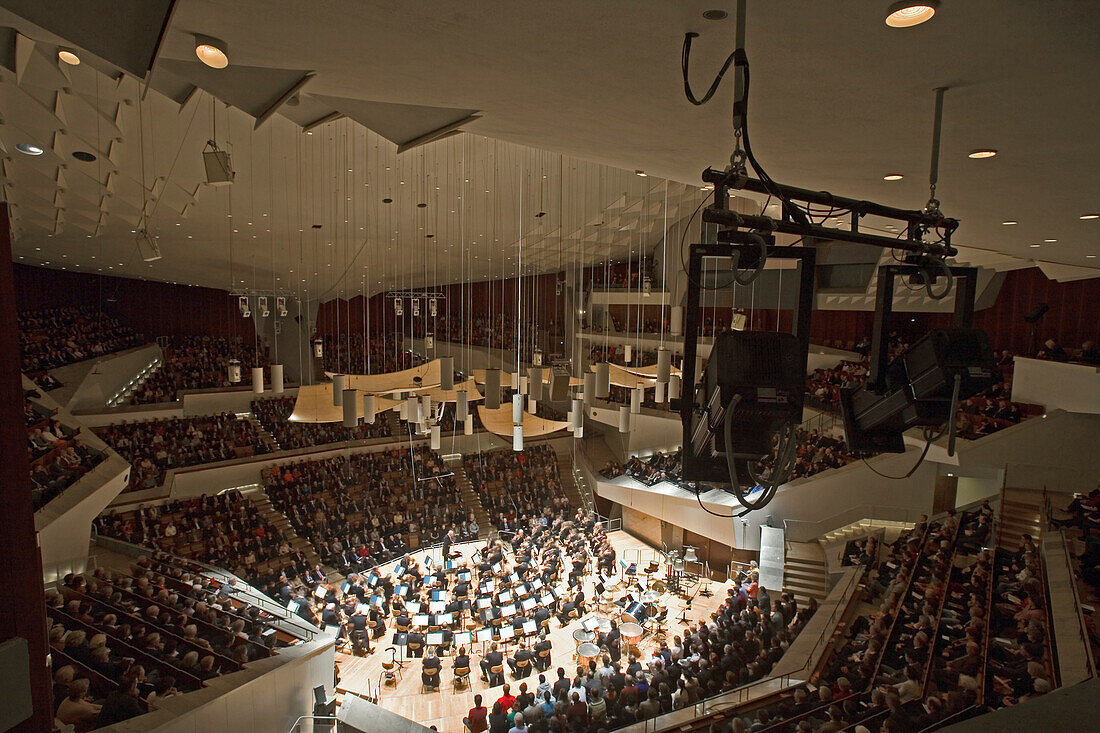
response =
{"points": [[399, 123], [249, 88]]}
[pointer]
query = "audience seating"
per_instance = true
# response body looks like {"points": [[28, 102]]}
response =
{"points": [[273, 413], [57, 458], [512, 485], [199, 362], [60, 336]]}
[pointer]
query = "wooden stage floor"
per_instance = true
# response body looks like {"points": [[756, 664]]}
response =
{"points": [[445, 709]]}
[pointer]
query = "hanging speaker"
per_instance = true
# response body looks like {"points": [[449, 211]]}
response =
{"points": [[413, 409], [338, 383], [351, 408], [517, 438], [664, 364], [559, 385], [368, 408], [277, 385], [468, 427], [534, 382], [636, 400], [435, 437], [492, 389], [603, 380], [676, 320], [516, 382], [426, 406], [517, 409], [579, 432], [628, 352], [674, 387], [532, 405], [257, 380], [403, 410], [578, 414], [446, 372], [589, 387], [624, 419], [462, 405], [660, 393]]}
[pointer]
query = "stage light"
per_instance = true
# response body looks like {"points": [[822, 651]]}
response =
{"points": [[212, 51], [922, 389], [32, 149], [150, 252], [908, 13], [219, 168], [257, 380]]}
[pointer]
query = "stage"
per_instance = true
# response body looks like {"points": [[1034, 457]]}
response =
{"points": [[445, 709]]}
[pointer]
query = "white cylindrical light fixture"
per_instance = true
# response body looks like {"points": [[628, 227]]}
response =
{"points": [[515, 381], [517, 408], [660, 393], [603, 380], [532, 405], [492, 389], [257, 380], [403, 410], [412, 412], [349, 401], [524, 385], [577, 418], [447, 372], [426, 406], [368, 408], [624, 419], [435, 437], [676, 320], [338, 384], [589, 387], [628, 352], [234, 371], [277, 385], [664, 364], [468, 427], [636, 400], [579, 431], [674, 387], [517, 438], [462, 405]]}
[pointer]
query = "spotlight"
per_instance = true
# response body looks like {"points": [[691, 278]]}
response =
{"points": [[318, 348], [416, 307], [212, 52], [32, 149], [219, 169], [261, 305], [280, 305], [908, 13], [68, 57]]}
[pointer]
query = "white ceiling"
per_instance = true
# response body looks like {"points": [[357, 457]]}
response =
{"points": [[838, 100]]}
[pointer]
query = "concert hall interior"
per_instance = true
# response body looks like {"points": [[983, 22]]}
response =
{"points": [[478, 366]]}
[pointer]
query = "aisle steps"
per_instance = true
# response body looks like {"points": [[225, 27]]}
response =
{"points": [[569, 479], [805, 574], [265, 437], [1020, 515], [258, 496], [470, 500]]}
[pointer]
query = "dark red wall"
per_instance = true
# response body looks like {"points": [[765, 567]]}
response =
{"points": [[152, 308]]}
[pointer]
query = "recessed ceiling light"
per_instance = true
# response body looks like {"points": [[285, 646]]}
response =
{"points": [[1090, 257], [893, 177], [640, 173], [1050, 240], [982, 153], [68, 57], [715, 14], [1010, 222], [908, 13], [32, 149], [212, 52], [1035, 245], [1083, 217]]}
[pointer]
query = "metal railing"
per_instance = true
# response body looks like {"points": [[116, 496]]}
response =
{"points": [[799, 530], [1086, 641], [297, 726]]}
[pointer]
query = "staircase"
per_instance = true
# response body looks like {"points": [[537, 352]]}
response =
{"points": [[569, 482], [805, 575], [833, 543], [265, 437], [1020, 515], [273, 516], [470, 500]]}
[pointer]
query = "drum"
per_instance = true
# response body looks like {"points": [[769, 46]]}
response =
{"points": [[631, 633], [580, 636], [635, 613], [587, 652]]}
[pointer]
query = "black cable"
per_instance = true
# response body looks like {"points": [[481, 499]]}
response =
{"points": [[685, 56], [928, 440], [708, 511]]}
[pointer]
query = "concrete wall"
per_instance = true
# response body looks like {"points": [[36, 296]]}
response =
{"points": [[109, 375], [1070, 387]]}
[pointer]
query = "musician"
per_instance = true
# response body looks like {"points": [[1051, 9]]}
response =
{"points": [[578, 601], [492, 658], [522, 654], [415, 637], [462, 659], [612, 642], [461, 589], [542, 645], [430, 668], [448, 546], [565, 609], [378, 623]]}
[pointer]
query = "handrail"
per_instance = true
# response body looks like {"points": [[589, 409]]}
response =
{"points": [[296, 723], [1070, 559]]}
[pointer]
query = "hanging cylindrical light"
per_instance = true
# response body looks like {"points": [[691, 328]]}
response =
{"points": [[446, 372], [435, 437], [349, 401], [425, 406], [628, 352], [532, 405], [462, 405], [660, 392], [603, 380], [412, 412], [517, 408], [277, 385], [624, 419], [492, 389], [664, 364], [589, 387], [318, 348], [517, 438], [676, 320], [636, 400], [468, 427], [234, 371], [534, 382], [433, 307], [257, 380], [578, 414], [403, 410], [338, 384], [516, 382], [398, 307], [368, 408], [579, 431], [674, 387]]}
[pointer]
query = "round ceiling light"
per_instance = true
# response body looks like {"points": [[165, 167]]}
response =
{"points": [[212, 52], [982, 153], [68, 57], [908, 13], [1083, 217], [715, 14], [32, 149], [893, 177], [1010, 222], [641, 173]]}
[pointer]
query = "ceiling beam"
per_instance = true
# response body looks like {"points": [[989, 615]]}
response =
{"points": [[436, 133], [290, 92], [156, 49], [322, 120]]}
